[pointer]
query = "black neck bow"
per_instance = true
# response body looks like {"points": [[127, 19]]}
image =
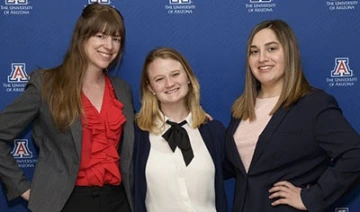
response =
{"points": [[177, 136]]}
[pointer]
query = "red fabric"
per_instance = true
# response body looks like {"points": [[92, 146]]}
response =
{"points": [[100, 140]]}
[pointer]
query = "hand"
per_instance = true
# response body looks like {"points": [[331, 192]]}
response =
{"points": [[209, 117], [286, 193], [26, 195]]}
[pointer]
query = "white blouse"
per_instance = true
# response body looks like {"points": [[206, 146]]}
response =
{"points": [[173, 186]]}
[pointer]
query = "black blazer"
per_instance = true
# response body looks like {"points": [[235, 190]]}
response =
{"points": [[59, 152], [310, 145]]}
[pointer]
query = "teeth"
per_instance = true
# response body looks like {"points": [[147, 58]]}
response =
{"points": [[105, 55], [264, 67], [171, 91]]}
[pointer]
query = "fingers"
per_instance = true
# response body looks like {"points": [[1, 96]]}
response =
{"points": [[284, 183], [286, 193]]}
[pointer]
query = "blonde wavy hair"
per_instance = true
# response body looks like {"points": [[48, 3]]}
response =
{"points": [[149, 114]]}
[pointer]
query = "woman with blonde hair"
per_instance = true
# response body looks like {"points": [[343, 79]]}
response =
{"points": [[82, 124], [178, 152], [289, 144]]}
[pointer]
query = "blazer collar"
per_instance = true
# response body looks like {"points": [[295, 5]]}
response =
{"points": [[76, 128], [76, 131], [233, 125], [264, 137]]}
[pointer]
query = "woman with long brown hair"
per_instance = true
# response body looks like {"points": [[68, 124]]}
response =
{"points": [[82, 124], [289, 144]]}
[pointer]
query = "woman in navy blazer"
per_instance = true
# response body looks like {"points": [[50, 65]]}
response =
{"points": [[288, 143], [54, 102], [181, 178]]}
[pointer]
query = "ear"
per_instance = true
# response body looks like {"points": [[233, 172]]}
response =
{"points": [[150, 89]]}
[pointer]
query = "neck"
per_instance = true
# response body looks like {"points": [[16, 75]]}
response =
{"points": [[176, 112], [93, 78], [269, 91]]}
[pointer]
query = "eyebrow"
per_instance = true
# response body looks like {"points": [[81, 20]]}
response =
{"points": [[266, 44]]}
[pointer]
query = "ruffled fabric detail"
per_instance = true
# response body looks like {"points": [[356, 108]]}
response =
{"points": [[101, 138]]}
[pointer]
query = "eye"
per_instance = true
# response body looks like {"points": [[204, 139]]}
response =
{"points": [[175, 74], [159, 79], [100, 35], [117, 39], [253, 51], [272, 49]]}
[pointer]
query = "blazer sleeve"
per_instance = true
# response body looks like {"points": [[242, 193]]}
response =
{"points": [[342, 144], [13, 120]]}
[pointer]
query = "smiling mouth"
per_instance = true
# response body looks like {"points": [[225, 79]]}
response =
{"points": [[172, 91], [105, 55]]}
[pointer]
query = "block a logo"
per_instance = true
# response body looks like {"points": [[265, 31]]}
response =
{"points": [[260, 1], [16, 2], [341, 209], [179, 1], [342, 68], [99, 1], [21, 149], [18, 73]]}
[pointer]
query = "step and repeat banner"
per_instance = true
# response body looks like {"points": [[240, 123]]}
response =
{"points": [[211, 34]]}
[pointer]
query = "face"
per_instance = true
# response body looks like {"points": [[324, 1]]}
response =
{"points": [[101, 50], [169, 81], [266, 59]]}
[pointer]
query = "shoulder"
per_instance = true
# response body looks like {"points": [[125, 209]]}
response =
{"points": [[213, 125], [118, 82], [36, 79], [318, 95], [319, 99], [37, 75]]}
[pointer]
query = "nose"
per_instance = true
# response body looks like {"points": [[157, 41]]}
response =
{"points": [[263, 57], [108, 42], [168, 82]]}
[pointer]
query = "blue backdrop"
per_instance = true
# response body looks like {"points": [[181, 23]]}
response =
{"points": [[212, 35]]}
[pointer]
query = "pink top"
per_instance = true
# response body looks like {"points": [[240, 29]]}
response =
{"points": [[247, 133]]}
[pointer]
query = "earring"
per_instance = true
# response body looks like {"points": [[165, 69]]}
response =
{"points": [[153, 93], [188, 82]]}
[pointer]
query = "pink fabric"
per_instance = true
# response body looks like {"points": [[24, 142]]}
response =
{"points": [[247, 133]]}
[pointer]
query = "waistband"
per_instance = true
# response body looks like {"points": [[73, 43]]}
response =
{"points": [[104, 188]]}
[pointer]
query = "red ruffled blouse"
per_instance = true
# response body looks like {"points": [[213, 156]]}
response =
{"points": [[100, 140]]}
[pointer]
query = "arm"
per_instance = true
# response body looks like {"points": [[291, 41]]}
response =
{"points": [[341, 143], [13, 120]]}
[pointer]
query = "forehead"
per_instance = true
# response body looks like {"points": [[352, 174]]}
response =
{"points": [[263, 37], [162, 66]]}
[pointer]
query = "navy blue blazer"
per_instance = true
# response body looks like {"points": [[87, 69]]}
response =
{"points": [[310, 145], [213, 134]]}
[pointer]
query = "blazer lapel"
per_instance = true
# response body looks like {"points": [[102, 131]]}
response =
{"points": [[234, 153], [128, 131], [266, 134], [76, 131]]}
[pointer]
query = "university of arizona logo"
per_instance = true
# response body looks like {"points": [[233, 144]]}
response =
{"points": [[21, 149], [342, 68], [179, 1], [99, 1], [260, 1], [16, 2], [18, 73]]}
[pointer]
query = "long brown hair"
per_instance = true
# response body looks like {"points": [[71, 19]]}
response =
{"points": [[63, 84], [295, 84], [149, 113]]}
